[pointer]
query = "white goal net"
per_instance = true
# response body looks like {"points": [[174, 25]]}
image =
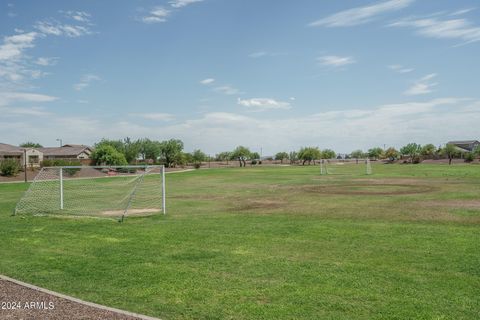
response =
{"points": [[113, 191], [345, 167]]}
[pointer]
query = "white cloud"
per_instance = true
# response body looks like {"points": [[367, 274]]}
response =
{"points": [[400, 69], [155, 116], [13, 47], [258, 54], [442, 28], [435, 121], [46, 61], [335, 61], [262, 104], [156, 15], [361, 15], [207, 81], [58, 29], [182, 3], [80, 16], [423, 85], [227, 89], [85, 81], [7, 98]]}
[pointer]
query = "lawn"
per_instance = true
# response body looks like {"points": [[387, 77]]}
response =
{"points": [[270, 243]]}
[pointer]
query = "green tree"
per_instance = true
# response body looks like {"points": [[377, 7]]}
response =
{"points": [[375, 153], [241, 154], [450, 151], [357, 154], [392, 154], [171, 152], [198, 156], [223, 156], [30, 144], [328, 154], [108, 156], [476, 151], [293, 156], [149, 149], [131, 149], [411, 150], [309, 154], [281, 156], [428, 150], [255, 155]]}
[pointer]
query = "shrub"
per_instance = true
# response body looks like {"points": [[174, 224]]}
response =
{"points": [[254, 162], [259, 161], [469, 157], [63, 163], [9, 167], [197, 165]]}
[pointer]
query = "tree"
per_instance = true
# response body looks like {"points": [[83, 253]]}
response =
{"points": [[328, 154], [392, 154], [255, 155], [357, 154], [309, 154], [30, 144], [131, 149], [450, 151], [116, 144], [476, 151], [412, 150], [241, 154], [223, 156], [108, 156], [293, 156], [281, 156], [198, 156], [171, 151], [428, 150], [148, 149], [375, 153]]}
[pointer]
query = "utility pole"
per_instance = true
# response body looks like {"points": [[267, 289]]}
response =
{"points": [[25, 163], [61, 142]]}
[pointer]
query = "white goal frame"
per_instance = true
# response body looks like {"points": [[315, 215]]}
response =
{"points": [[325, 163], [58, 179]]}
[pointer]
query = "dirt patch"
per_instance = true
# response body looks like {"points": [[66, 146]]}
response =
{"points": [[255, 204], [457, 204], [369, 189], [131, 212]]}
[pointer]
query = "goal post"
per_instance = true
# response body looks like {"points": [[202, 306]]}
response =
{"points": [[106, 191], [345, 167]]}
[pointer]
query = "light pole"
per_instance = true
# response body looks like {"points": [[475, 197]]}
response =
{"points": [[61, 143]]}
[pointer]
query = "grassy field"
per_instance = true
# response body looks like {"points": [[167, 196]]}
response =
{"points": [[270, 243]]}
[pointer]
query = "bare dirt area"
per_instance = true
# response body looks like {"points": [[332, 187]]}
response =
{"points": [[452, 204], [131, 212], [22, 302], [253, 204], [390, 189]]}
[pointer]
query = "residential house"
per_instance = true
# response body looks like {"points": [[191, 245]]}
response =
{"points": [[33, 156], [466, 145]]}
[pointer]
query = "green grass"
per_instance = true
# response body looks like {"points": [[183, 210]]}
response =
{"points": [[270, 243]]}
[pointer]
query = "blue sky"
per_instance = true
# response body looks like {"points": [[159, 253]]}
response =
{"points": [[271, 75]]}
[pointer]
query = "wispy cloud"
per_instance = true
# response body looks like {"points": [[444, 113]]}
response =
{"points": [[260, 54], [442, 28], [7, 98], [207, 81], [161, 14], [423, 85], [400, 69], [155, 116], [335, 61], [262, 104], [80, 16], [228, 90], [361, 15], [42, 61], [182, 3], [62, 29], [85, 81], [156, 15]]}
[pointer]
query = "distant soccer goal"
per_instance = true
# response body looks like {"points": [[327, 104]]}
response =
{"points": [[345, 167], [107, 191]]}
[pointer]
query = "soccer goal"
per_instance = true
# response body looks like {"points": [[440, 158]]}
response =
{"points": [[345, 167], [106, 191]]}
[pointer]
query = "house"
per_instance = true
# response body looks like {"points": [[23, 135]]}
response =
{"points": [[68, 152], [8, 151], [466, 146]]}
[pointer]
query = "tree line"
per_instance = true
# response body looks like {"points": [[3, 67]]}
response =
{"points": [[171, 153]]}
